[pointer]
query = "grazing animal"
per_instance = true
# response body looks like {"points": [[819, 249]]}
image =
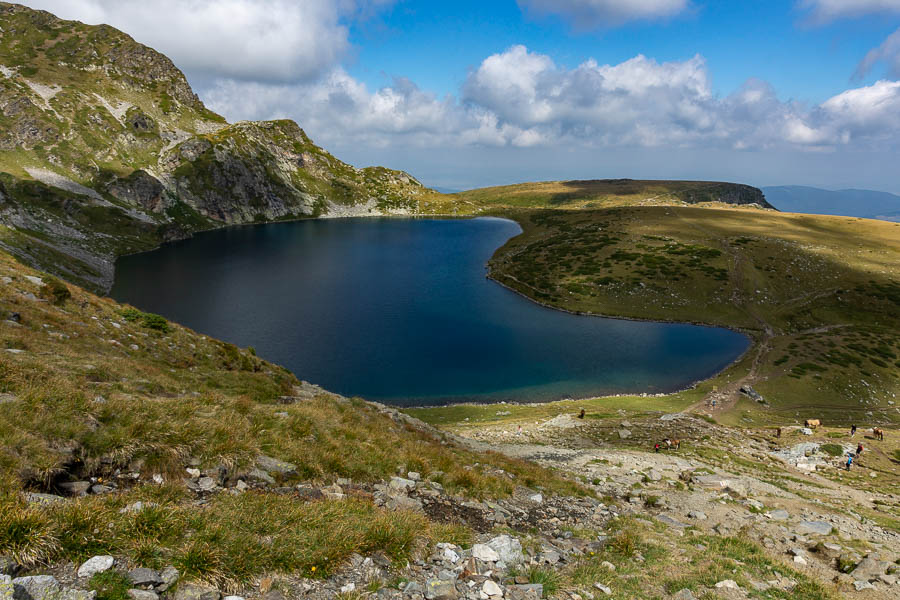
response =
{"points": [[672, 444], [879, 433], [813, 423]]}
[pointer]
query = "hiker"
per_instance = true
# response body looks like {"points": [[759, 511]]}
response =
{"points": [[778, 432], [519, 430], [581, 414], [849, 461], [852, 430], [656, 448], [859, 450]]}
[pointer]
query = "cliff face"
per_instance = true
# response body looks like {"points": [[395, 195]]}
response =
{"points": [[105, 149]]}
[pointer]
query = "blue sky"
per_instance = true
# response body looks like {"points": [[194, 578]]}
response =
{"points": [[436, 43], [467, 94]]}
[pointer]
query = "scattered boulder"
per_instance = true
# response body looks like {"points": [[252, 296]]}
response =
{"points": [[814, 528], [509, 549], [46, 587], [273, 465], [440, 589], [190, 591], [491, 588], [870, 568], [94, 565], [142, 577], [485, 553]]}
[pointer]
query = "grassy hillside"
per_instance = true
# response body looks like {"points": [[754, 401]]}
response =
{"points": [[820, 295], [93, 389], [598, 193], [105, 149]]}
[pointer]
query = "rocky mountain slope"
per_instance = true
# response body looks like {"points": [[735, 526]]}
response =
{"points": [[105, 149]]}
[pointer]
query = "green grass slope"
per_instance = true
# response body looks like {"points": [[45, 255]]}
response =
{"points": [[820, 295], [91, 388]]}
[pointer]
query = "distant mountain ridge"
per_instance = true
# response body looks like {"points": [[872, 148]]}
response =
{"points": [[868, 204]]}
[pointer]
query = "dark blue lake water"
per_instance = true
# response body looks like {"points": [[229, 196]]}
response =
{"points": [[400, 311]]}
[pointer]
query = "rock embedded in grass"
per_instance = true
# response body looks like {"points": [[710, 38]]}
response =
{"points": [[97, 564]]}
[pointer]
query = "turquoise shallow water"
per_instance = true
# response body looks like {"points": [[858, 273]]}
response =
{"points": [[400, 311]]}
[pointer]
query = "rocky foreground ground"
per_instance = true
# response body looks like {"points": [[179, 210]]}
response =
{"points": [[731, 514]]}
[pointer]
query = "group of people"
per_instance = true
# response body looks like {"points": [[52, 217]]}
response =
{"points": [[859, 449]]}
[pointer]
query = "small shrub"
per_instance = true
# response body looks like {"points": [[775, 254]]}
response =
{"points": [[625, 544], [110, 585], [55, 291], [549, 579], [148, 320]]}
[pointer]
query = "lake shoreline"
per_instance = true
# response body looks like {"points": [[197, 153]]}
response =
{"points": [[626, 375]]}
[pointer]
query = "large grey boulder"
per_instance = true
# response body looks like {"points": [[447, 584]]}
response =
{"points": [[814, 528], [142, 577], [46, 587], [870, 568]]}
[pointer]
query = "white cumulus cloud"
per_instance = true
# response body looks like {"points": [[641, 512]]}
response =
{"points": [[589, 14], [261, 40], [822, 11], [519, 98]]}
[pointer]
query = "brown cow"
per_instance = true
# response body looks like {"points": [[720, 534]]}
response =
{"points": [[879, 433], [813, 423]]}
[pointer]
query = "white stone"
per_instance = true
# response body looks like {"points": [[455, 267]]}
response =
{"points": [[485, 553], [450, 555], [492, 589], [605, 589], [728, 584], [346, 589], [97, 564], [509, 549]]}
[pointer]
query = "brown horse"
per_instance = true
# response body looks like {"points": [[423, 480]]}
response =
{"points": [[879, 433], [672, 444]]}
